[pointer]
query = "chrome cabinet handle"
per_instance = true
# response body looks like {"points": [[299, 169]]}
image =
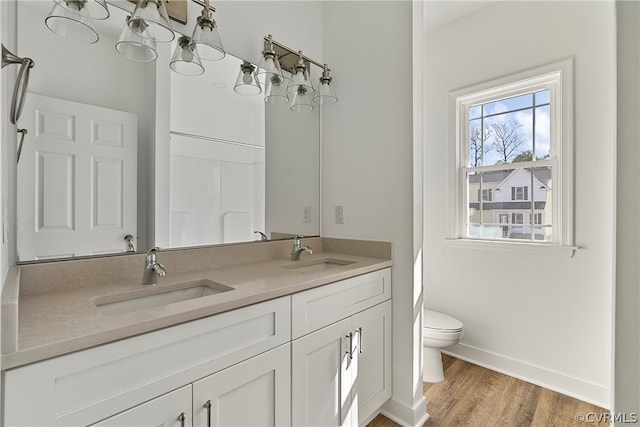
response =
{"points": [[359, 331], [350, 352], [182, 417], [208, 406]]}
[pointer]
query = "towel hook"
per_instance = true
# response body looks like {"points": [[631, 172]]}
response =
{"points": [[22, 81]]}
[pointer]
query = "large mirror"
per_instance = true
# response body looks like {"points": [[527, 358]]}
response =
{"points": [[94, 168]]}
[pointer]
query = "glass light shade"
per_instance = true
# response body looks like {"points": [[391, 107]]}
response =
{"points": [[185, 59], [298, 79], [325, 94], [97, 9], [134, 46], [275, 91], [207, 39], [152, 17], [301, 101], [75, 26], [247, 83], [269, 64]]}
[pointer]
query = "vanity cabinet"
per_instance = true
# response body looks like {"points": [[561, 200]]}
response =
{"points": [[317, 357], [341, 371]]}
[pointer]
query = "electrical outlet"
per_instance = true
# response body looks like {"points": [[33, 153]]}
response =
{"points": [[306, 214], [339, 214]]}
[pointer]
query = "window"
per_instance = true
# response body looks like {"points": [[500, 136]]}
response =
{"points": [[519, 193], [517, 218], [537, 218], [513, 158], [486, 194]]}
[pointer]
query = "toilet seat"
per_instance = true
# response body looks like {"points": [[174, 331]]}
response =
{"points": [[436, 321]]}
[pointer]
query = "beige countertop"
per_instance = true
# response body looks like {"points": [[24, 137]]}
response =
{"points": [[61, 321]]}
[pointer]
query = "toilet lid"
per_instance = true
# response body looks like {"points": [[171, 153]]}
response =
{"points": [[441, 322]]}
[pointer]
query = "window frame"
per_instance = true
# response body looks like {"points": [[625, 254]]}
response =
{"points": [[558, 78]]}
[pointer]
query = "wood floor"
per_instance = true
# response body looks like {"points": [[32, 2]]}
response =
{"points": [[474, 396]]}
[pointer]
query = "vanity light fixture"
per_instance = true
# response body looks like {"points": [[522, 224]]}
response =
{"points": [[247, 82], [73, 19], [151, 20], [270, 71], [296, 84], [326, 94], [269, 64], [206, 37], [185, 59], [132, 45], [300, 78]]}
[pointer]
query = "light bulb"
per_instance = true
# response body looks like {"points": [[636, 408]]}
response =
{"points": [[276, 80], [246, 78], [75, 4]]}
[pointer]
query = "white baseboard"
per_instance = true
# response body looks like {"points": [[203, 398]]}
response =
{"points": [[574, 387], [404, 415]]}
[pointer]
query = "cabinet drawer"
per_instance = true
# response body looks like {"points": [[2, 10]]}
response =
{"points": [[316, 308], [87, 386]]}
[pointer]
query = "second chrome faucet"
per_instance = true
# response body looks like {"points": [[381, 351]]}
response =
{"points": [[152, 268], [298, 247]]}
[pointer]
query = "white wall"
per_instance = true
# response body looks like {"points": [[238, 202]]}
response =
{"points": [[627, 328], [553, 325], [368, 165]]}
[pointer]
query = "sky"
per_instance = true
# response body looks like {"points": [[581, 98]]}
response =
{"points": [[520, 111]]}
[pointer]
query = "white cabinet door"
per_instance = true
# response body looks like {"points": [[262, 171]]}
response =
{"points": [[169, 410], [373, 381], [333, 386], [321, 377], [256, 392]]}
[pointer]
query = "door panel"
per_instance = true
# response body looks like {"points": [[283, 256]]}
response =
{"points": [[77, 179], [321, 378]]}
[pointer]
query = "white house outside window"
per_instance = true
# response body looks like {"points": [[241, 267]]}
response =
{"points": [[513, 158]]}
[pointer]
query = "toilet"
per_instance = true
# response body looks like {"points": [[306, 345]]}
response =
{"points": [[438, 331]]}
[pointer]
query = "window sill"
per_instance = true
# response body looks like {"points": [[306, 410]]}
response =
{"points": [[546, 249]]}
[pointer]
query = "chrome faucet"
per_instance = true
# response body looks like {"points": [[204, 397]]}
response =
{"points": [[131, 247], [263, 237], [152, 268], [298, 248]]}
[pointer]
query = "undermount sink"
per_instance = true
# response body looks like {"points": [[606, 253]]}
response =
{"points": [[150, 297], [316, 265]]}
